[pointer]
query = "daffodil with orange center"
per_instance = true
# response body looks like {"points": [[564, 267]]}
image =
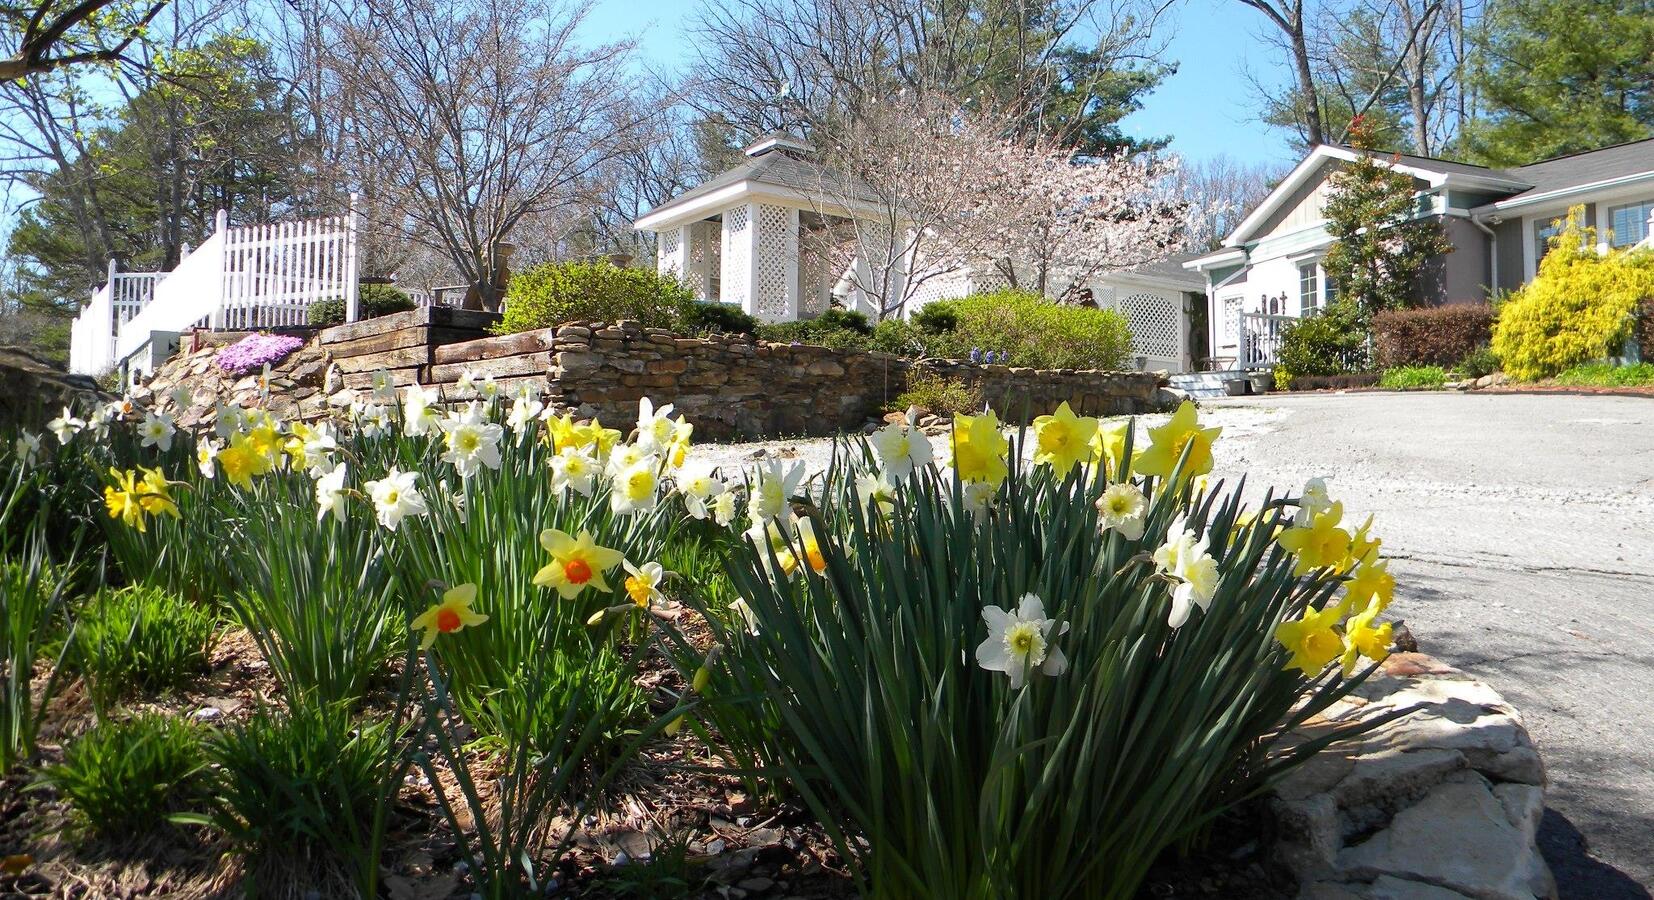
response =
{"points": [[1169, 443], [449, 616], [577, 563]]}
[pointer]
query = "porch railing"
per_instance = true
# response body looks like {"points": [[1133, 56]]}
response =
{"points": [[1258, 339]]}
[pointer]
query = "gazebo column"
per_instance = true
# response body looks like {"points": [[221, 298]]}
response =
{"points": [[672, 252], [738, 274]]}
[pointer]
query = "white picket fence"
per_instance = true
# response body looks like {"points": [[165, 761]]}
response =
{"points": [[245, 278]]}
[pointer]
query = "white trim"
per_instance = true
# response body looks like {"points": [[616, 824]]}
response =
{"points": [[1216, 259], [671, 213], [1560, 193]]}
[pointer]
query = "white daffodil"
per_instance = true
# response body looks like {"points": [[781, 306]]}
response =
{"points": [[978, 498], [655, 427], [643, 583], [1184, 557], [1123, 508], [319, 447], [466, 386], [331, 496], [418, 418], [1021, 642], [901, 449], [743, 611], [472, 440], [384, 388], [575, 469], [1314, 501], [65, 427], [205, 453], [182, 397], [772, 485], [487, 389], [157, 430], [625, 456], [724, 508], [395, 497], [699, 487], [636, 489], [876, 490], [228, 419], [27, 447], [524, 412], [375, 420]]}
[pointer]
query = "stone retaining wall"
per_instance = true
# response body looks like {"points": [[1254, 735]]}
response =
{"points": [[729, 386]]}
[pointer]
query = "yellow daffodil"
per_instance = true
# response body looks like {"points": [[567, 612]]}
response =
{"points": [[643, 583], [811, 546], [121, 498], [1362, 639], [449, 616], [1108, 446], [154, 494], [576, 563], [1362, 543], [240, 462], [1169, 442], [1311, 640], [979, 449], [1322, 544], [1371, 586], [1062, 440]]}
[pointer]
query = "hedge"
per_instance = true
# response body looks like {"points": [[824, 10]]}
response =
{"points": [[553, 293], [372, 301], [1431, 336], [1645, 330], [1030, 329]]}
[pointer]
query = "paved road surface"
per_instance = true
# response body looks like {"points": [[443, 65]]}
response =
{"points": [[1524, 531]]}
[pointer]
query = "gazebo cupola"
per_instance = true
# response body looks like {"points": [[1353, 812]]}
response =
{"points": [[741, 237]]}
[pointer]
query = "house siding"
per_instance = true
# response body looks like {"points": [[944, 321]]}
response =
{"points": [[1464, 272], [1510, 236], [1303, 207]]}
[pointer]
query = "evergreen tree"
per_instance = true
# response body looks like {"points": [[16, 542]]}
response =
{"points": [[1563, 76], [1382, 250]]}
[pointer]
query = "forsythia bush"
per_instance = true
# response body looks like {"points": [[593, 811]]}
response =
{"points": [[1578, 309]]}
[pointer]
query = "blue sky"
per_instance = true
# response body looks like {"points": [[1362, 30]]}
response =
{"points": [[1207, 107]]}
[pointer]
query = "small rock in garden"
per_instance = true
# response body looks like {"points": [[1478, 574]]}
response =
{"points": [[207, 713]]}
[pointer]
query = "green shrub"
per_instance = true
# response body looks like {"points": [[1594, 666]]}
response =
{"points": [[140, 639], [703, 318], [937, 317], [1605, 375], [1477, 363], [553, 293], [1331, 342], [128, 776], [1430, 336], [301, 785], [939, 394], [1579, 308], [1413, 378], [820, 332], [899, 337], [1035, 331], [844, 319], [372, 301]]}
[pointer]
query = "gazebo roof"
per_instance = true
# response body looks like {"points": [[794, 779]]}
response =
{"points": [[778, 170]]}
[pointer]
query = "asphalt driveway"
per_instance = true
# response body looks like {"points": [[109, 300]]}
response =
{"points": [[1523, 531]]}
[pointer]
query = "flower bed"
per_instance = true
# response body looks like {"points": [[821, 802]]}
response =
{"points": [[470, 635]]}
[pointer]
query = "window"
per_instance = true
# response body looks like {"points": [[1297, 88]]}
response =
{"points": [[1629, 222], [1309, 288], [1542, 234]]}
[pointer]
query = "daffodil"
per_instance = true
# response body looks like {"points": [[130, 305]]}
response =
{"points": [[654, 426], [772, 486], [121, 499], [1321, 544], [901, 448], [643, 583], [637, 488], [155, 494], [724, 508], [1362, 542], [449, 616], [418, 418], [65, 426], [1370, 585], [331, 495], [395, 497], [678, 450], [808, 542], [1361, 638], [524, 411], [264, 441], [1313, 501], [626, 456], [743, 611], [1123, 508], [575, 469], [156, 430], [1169, 443], [27, 447], [383, 386], [241, 462], [1184, 558], [1062, 440], [206, 455], [1108, 447], [979, 449], [472, 441], [1021, 642], [1312, 640], [576, 563], [698, 487], [876, 490]]}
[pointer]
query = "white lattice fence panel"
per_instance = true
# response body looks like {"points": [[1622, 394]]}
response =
{"points": [[668, 260], [734, 265], [1155, 323], [775, 258], [1228, 320]]}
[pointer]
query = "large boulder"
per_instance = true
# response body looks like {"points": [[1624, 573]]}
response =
{"points": [[33, 391]]}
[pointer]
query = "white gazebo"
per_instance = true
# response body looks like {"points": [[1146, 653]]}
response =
{"points": [[752, 237]]}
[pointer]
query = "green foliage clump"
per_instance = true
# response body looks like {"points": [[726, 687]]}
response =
{"points": [[32, 598], [1413, 378], [939, 394], [1331, 342], [1035, 331], [836, 332], [1477, 363], [553, 293], [140, 639], [1580, 307], [128, 776], [1605, 375], [301, 784], [704, 318], [372, 301]]}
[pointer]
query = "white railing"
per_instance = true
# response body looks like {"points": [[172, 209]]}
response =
{"points": [[245, 278], [1258, 339]]}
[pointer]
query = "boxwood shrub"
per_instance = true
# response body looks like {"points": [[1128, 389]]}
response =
{"points": [[372, 300], [553, 293], [1034, 331]]}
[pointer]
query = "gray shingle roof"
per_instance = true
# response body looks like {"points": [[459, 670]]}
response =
{"points": [[775, 167], [1589, 167]]}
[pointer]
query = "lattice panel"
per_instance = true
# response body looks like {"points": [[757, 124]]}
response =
{"points": [[1228, 321], [667, 258], [775, 260], [1155, 323], [734, 265], [815, 282]]}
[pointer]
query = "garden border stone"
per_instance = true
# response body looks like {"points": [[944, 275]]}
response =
{"points": [[1440, 804]]}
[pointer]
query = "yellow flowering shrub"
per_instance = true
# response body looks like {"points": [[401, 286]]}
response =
{"points": [[1579, 308]]}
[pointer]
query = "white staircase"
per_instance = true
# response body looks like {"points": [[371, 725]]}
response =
{"points": [[1206, 385]]}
